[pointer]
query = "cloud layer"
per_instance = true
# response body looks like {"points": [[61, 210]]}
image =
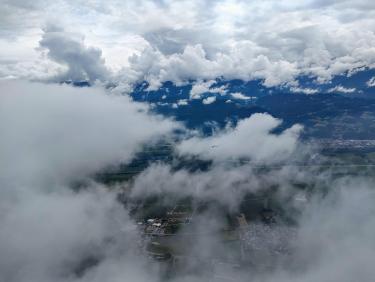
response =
{"points": [[251, 138], [53, 230], [56, 131], [57, 224], [52, 226], [186, 40]]}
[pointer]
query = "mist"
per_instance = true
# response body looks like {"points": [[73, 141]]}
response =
{"points": [[59, 224], [52, 138]]}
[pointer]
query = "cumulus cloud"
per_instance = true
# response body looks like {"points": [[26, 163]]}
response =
{"points": [[280, 43], [209, 100], [223, 39], [252, 138], [202, 87], [66, 48], [194, 64], [239, 96], [228, 179]]}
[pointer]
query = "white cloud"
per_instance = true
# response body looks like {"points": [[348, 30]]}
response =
{"points": [[220, 184], [202, 87], [46, 236], [294, 39], [343, 218], [203, 40], [209, 100], [52, 136], [341, 89], [344, 221], [57, 131], [193, 63], [251, 138], [307, 91], [239, 96], [182, 102], [52, 133], [371, 82]]}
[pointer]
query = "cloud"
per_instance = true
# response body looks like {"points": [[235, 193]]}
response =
{"points": [[47, 236], [371, 82], [53, 133], [57, 225], [223, 39], [264, 47], [56, 131], [307, 91], [209, 100], [13, 10], [239, 96], [182, 102], [83, 63], [341, 89], [251, 138], [225, 184], [202, 87], [336, 233], [227, 180], [195, 64], [333, 226]]}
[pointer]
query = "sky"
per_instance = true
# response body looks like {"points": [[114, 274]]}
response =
{"points": [[54, 215], [130, 41]]}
